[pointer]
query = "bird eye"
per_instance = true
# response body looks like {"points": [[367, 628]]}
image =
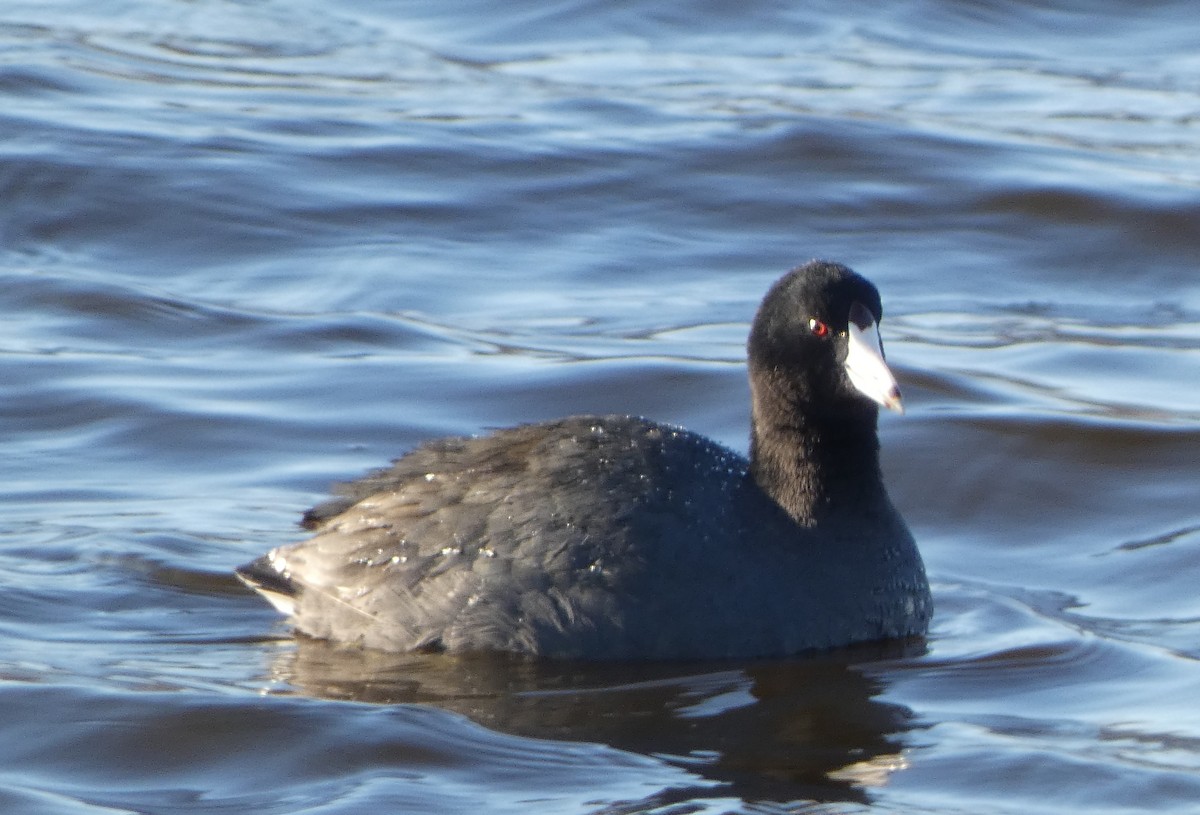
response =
{"points": [[818, 328]]}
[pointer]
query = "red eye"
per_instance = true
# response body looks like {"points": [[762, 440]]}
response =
{"points": [[818, 328]]}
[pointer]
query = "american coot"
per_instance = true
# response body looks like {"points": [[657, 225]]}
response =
{"points": [[617, 537]]}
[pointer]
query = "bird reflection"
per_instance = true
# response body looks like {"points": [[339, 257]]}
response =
{"points": [[783, 730]]}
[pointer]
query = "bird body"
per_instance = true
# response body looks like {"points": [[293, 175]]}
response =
{"points": [[616, 537]]}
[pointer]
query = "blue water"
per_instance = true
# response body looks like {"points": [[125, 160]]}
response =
{"points": [[248, 249]]}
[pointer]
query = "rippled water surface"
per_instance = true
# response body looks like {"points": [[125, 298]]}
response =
{"points": [[249, 248]]}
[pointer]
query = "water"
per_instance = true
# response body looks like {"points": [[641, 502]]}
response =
{"points": [[252, 248]]}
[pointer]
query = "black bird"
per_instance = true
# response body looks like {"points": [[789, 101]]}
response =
{"points": [[614, 537]]}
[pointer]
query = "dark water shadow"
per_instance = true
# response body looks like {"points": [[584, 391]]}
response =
{"points": [[801, 729]]}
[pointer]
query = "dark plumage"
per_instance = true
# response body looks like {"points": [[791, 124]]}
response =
{"points": [[617, 537]]}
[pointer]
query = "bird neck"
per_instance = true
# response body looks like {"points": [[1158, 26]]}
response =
{"points": [[816, 469]]}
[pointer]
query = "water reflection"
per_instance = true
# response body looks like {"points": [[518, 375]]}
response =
{"points": [[806, 728]]}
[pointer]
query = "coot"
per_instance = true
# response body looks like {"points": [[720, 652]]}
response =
{"points": [[616, 537]]}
